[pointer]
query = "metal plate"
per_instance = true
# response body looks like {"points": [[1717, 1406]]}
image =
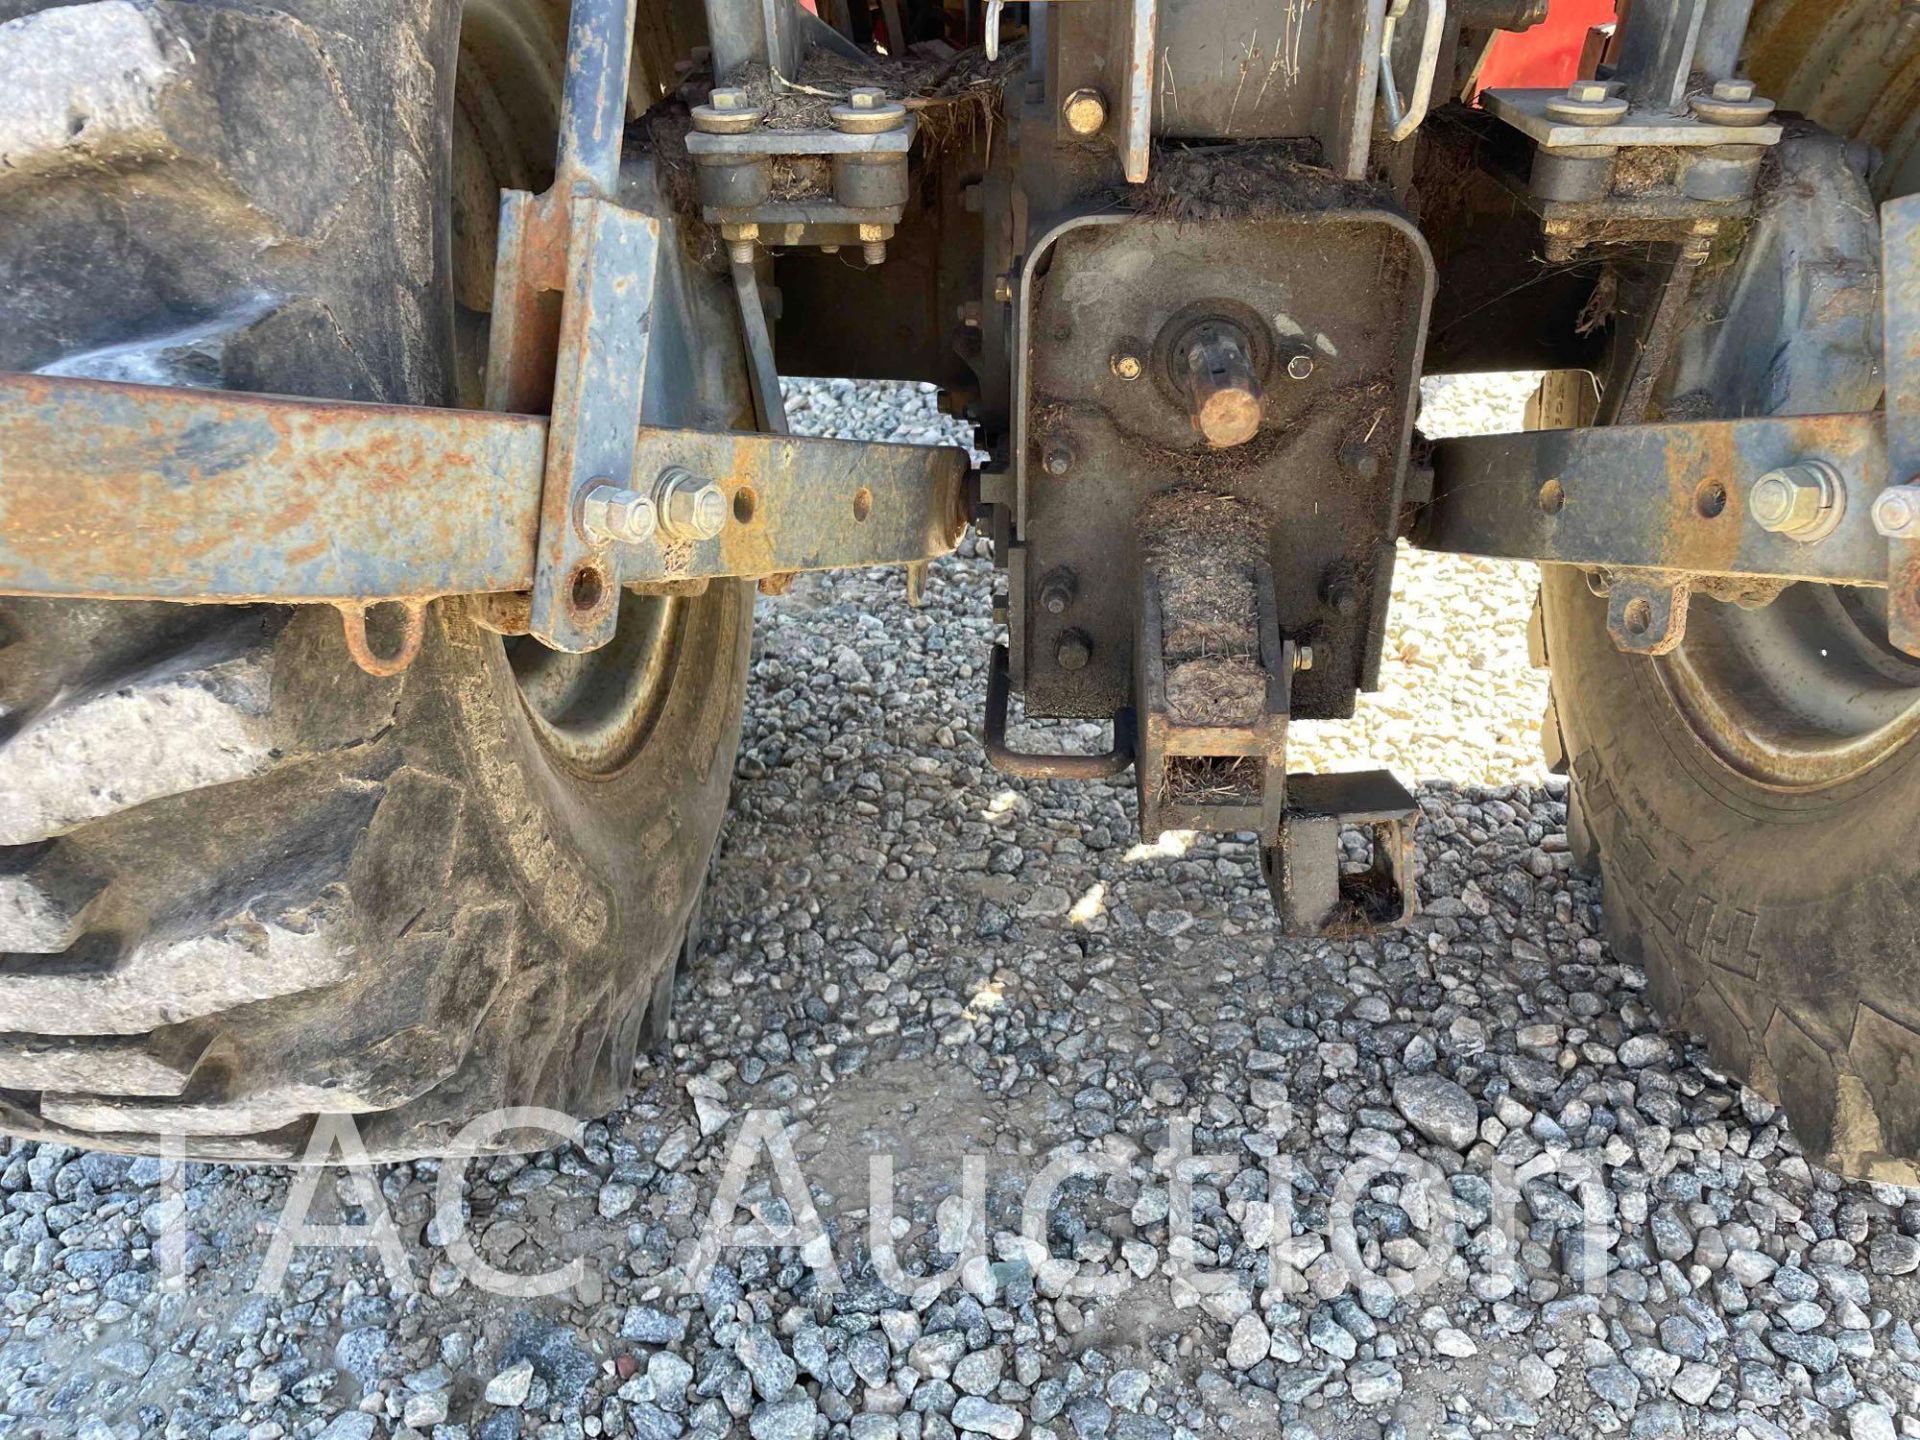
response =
{"points": [[1350, 286], [1230, 69], [1661, 497], [1526, 111]]}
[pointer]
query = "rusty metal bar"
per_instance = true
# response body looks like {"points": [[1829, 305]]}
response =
{"points": [[593, 105], [1660, 497], [143, 492], [140, 492], [1900, 364]]}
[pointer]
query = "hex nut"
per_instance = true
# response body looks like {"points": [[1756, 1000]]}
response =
{"points": [[1896, 512], [1730, 102], [1587, 102], [728, 111], [1085, 112], [1804, 502], [868, 111], [1057, 590], [611, 514], [691, 507]]}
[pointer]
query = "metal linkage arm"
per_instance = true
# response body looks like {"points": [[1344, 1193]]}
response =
{"points": [[1774, 497], [138, 492]]}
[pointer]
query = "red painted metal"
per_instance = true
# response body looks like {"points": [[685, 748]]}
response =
{"points": [[1549, 53]]}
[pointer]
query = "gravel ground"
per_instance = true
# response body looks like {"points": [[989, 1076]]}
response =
{"points": [[908, 954]]}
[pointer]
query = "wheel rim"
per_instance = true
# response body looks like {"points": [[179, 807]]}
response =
{"points": [[1800, 694], [592, 713]]}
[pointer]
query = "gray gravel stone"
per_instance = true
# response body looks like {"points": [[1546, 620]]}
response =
{"points": [[1438, 1108]]}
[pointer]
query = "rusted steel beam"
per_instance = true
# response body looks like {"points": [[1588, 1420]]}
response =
{"points": [[1899, 519], [1673, 498], [116, 491], [143, 492]]}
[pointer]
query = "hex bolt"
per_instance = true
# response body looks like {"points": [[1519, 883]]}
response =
{"points": [[1341, 594], [729, 111], [1896, 512], [1804, 502], [1587, 102], [1003, 289], [868, 111], [1127, 365], [691, 507], [1303, 657], [1074, 652], [1360, 460], [1730, 102], [1300, 366], [1057, 590], [612, 514], [1085, 112]]}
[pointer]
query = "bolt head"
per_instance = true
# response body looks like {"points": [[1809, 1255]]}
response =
{"points": [[1733, 89], [866, 97], [1587, 102], [1058, 460], [1802, 502], [1127, 366], [1896, 512], [612, 514], [1085, 112], [691, 508], [1074, 652], [1003, 290], [728, 97]]}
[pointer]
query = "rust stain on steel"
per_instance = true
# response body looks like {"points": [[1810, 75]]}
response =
{"points": [[144, 492]]}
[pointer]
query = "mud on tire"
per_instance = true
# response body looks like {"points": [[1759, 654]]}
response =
{"points": [[241, 882]]}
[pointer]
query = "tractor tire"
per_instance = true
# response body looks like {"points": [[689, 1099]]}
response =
{"points": [[243, 884], [1754, 798]]}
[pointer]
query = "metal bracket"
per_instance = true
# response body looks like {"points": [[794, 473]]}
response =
{"points": [[1029, 765], [1214, 679], [1528, 111], [605, 338], [1310, 891]]}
